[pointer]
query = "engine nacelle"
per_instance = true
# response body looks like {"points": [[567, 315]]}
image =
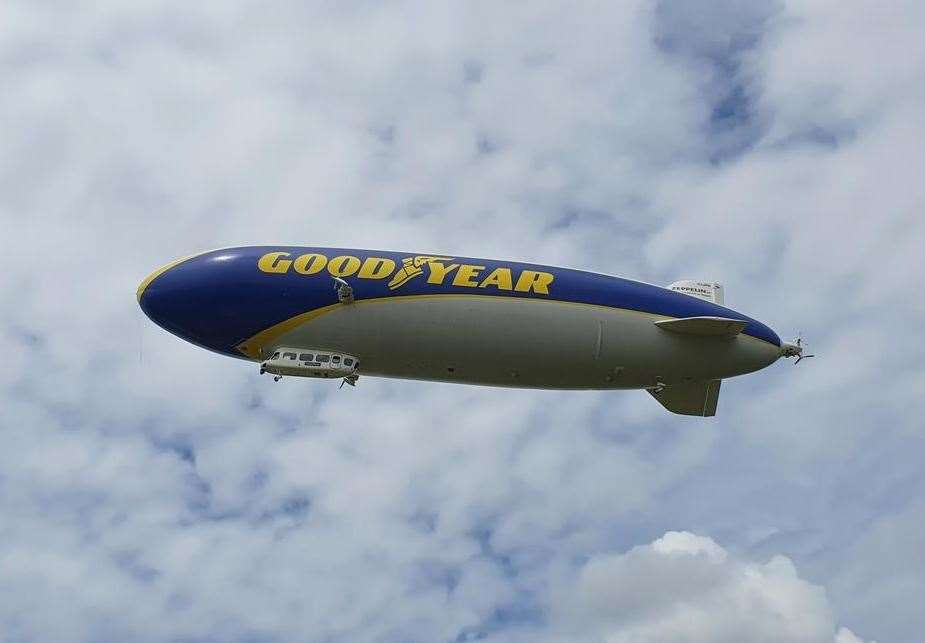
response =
{"points": [[306, 362]]}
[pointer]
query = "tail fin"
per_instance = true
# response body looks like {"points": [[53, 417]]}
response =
{"points": [[693, 398], [708, 290]]}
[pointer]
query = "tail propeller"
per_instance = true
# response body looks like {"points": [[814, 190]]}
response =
{"points": [[800, 355], [795, 350]]}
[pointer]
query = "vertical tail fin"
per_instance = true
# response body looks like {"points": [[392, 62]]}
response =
{"points": [[708, 290], [693, 398]]}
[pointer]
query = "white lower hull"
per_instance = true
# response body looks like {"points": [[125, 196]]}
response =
{"points": [[501, 341]]}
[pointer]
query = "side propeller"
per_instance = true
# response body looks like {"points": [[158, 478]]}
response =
{"points": [[343, 290]]}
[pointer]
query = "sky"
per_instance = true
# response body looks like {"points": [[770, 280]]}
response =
{"points": [[152, 491]]}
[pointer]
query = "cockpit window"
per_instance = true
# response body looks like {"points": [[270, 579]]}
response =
{"points": [[288, 355], [275, 355]]}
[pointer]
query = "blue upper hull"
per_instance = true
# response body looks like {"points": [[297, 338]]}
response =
{"points": [[222, 298]]}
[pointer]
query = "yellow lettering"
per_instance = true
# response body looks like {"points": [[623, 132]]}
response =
{"points": [[538, 282], [499, 278], [438, 271], [309, 264], [376, 268], [466, 274], [273, 262], [343, 266]]}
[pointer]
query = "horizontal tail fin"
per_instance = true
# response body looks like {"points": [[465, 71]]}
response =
{"points": [[694, 398], [705, 326]]}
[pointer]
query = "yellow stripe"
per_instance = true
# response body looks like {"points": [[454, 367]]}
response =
{"points": [[157, 273], [253, 347]]}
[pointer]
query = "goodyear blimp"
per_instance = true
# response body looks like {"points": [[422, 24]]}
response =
{"points": [[339, 313]]}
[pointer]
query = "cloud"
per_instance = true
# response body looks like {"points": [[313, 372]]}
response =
{"points": [[686, 587], [152, 491]]}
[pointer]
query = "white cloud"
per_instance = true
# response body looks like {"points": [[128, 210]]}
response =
{"points": [[153, 491], [684, 587]]}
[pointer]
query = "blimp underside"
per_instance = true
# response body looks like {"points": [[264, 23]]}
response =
{"points": [[459, 320], [519, 343]]}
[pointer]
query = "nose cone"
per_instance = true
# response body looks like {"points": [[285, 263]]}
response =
{"points": [[196, 299], [143, 293], [171, 297]]}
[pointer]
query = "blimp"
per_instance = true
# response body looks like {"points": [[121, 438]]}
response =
{"points": [[339, 314]]}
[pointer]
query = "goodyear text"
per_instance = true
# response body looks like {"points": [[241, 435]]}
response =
{"points": [[432, 269]]}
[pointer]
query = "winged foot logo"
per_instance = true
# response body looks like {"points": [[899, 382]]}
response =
{"points": [[435, 269], [411, 268]]}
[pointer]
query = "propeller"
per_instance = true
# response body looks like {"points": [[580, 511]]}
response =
{"points": [[800, 355], [794, 350], [343, 290]]}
